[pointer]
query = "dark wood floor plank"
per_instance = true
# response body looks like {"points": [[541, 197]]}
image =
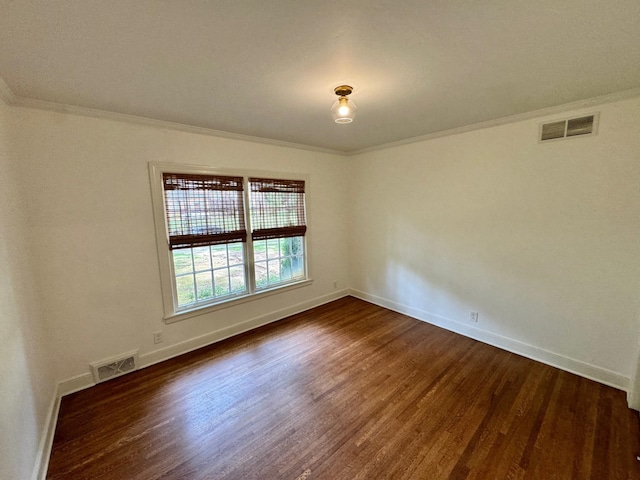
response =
{"points": [[350, 391]]}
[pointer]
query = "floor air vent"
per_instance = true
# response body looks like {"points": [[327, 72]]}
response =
{"points": [[571, 127], [114, 367]]}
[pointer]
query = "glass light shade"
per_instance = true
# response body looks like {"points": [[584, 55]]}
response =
{"points": [[343, 110]]}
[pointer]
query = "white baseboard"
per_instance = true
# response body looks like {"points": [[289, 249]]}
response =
{"points": [[75, 384], [553, 359], [181, 348], [46, 441], [85, 380], [633, 392]]}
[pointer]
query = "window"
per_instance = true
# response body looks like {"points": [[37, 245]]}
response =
{"points": [[224, 237], [278, 228], [206, 230]]}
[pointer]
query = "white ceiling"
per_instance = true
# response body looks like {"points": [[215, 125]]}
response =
{"points": [[267, 68]]}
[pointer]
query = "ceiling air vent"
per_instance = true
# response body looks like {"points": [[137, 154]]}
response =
{"points": [[114, 367], [571, 127]]}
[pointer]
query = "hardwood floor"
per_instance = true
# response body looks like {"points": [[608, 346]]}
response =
{"points": [[348, 390]]}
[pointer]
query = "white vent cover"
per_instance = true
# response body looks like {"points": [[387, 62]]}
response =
{"points": [[568, 128], [115, 366]]}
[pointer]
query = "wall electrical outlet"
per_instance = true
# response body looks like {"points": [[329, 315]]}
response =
{"points": [[473, 316], [157, 337]]}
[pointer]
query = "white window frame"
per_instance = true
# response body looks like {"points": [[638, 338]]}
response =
{"points": [[165, 260]]}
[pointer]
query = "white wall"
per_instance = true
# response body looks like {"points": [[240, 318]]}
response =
{"points": [[91, 219], [543, 240], [26, 379]]}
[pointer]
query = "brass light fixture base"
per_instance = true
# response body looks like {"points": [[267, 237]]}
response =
{"points": [[343, 90]]}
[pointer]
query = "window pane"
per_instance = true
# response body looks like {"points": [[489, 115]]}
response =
{"points": [[273, 248], [297, 267], [285, 269], [221, 281], [295, 245], [237, 279], [201, 258], [285, 261], [209, 282], [204, 286], [261, 274], [185, 290], [260, 250], [182, 261], [290, 246], [236, 254], [274, 271], [219, 255]]}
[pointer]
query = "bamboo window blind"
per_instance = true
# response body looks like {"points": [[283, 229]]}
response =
{"points": [[277, 208], [203, 209]]}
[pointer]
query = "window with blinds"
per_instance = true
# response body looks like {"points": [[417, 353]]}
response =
{"points": [[212, 257], [277, 208], [203, 210], [278, 227]]}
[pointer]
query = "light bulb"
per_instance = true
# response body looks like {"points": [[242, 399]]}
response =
{"points": [[343, 110]]}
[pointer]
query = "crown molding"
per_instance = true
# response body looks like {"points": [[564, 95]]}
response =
{"points": [[36, 104], [11, 99], [6, 95], [555, 110]]}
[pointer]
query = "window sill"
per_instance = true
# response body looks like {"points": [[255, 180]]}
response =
{"points": [[195, 312]]}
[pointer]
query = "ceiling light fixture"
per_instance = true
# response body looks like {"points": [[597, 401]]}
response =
{"points": [[343, 110]]}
